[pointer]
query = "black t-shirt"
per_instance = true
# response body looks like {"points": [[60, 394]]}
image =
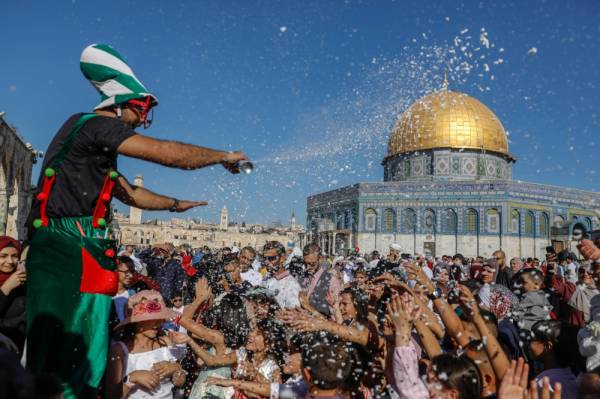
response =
{"points": [[92, 154]]}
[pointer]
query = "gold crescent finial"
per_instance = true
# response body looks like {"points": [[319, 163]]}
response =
{"points": [[445, 83]]}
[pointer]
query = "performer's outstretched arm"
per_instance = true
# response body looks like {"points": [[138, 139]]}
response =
{"points": [[178, 155], [143, 198]]}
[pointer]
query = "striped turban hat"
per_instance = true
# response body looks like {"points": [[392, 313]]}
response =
{"points": [[106, 69]]}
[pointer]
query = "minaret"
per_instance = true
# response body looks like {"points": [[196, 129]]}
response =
{"points": [[293, 221], [224, 219], [135, 214]]}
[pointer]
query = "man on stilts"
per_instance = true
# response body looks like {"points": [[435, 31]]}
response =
{"points": [[70, 267]]}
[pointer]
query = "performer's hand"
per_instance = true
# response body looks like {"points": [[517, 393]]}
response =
{"points": [[145, 378], [15, 280], [187, 205], [231, 159]]}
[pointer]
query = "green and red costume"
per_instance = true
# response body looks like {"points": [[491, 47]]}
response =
{"points": [[71, 273]]}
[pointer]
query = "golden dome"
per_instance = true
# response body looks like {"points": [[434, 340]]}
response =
{"points": [[448, 119]]}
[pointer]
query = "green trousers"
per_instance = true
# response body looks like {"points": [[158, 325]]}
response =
{"points": [[70, 280]]}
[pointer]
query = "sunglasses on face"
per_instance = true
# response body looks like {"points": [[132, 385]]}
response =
{"points": [[176, 300], [271, 258]]}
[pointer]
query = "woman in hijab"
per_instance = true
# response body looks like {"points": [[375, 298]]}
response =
{"points": [[12, 292], [578, 296]]}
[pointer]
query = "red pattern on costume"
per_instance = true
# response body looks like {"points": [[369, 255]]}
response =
{"points": [[95, 279]]}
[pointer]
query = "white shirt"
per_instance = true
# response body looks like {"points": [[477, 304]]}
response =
{"points": [[252, 276], [428, 272], [373, 264], [572, 273], [144, 361], [256, 265], [286, 290]]}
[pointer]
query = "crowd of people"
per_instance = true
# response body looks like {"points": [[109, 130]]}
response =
{"points": [[291, 323]]}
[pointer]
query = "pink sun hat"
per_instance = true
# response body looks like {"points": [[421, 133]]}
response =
{"points": [[146, 305]]}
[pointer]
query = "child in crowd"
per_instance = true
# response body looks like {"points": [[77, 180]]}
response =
{"points": [[533, 305]]}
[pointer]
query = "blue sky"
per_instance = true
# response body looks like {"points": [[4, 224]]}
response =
{"points": [[311, 89]]}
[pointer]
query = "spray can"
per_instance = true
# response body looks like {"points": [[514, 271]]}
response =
{"points": [[245, 167]]}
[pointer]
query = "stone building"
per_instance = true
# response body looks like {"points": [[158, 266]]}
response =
{"points": [[196, 233], [135, 214], [224, 223], [447, 188], [16, 162]]}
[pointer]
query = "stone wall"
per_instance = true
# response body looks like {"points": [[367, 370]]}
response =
{"points": [[152, 234], [449, 244], [16, 162]]}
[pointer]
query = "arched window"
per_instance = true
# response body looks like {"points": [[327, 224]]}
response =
{"points": [[339, 221], [370, 219], [493, 221], [451, 221], [429, 220], [389, 221], [543, 225], [471, 221], [588, 224], [529, 223], [559, 221], [515, 221], [347, 219], [409, 221]]}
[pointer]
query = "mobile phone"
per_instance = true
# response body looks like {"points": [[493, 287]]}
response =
{"points": [[21, 266]]}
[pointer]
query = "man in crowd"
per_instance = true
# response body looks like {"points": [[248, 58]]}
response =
{"points": [[504, 275], [246, 258], [319, 280], [279, 280], [375, 258], [166, 270]]}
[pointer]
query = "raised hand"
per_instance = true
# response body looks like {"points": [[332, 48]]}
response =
{"points": [[589, 250], [401, 320], [514, 382], [534, 392], [468, 299], [299, 321], [179, 338], [416, 273], [203, 291]]}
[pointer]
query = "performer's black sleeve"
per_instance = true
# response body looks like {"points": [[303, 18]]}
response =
{"points": [[109, 133]]}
